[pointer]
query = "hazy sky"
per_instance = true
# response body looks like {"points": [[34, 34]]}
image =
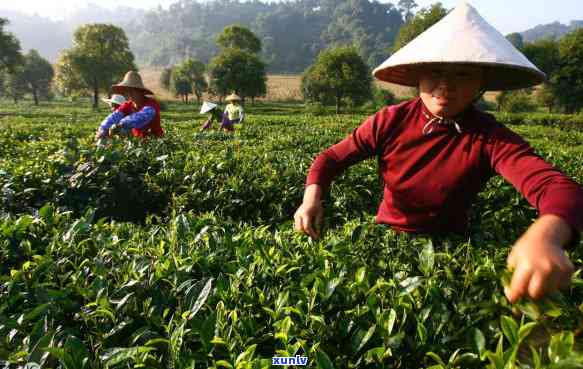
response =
{"points": [[506, 15]]}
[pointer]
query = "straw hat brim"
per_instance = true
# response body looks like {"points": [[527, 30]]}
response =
{"points": [[233, 98], [496, 77], [121, 89]]}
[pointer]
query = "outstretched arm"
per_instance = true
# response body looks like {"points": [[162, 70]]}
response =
{"points": [[539, 262], [111, 119], [139, 119], [366, 141]]}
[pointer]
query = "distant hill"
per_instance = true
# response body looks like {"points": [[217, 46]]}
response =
{"points": [[35, 32], [292, 32], [554, 30], [49, 37]]}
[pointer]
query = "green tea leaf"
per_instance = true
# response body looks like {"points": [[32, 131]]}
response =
{"points": [[510, 329], [323, 361]]}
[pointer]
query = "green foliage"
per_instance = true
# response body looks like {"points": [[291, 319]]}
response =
{"points": [[180, 82], [338, 74], [485, 105], [369, 26], [544, 54], [210, 274], [292, 33], [14, 83], [516, 40], [425, 18], [545, 96], [68, 79], [100, 56], [239, 71], [383, 97], [237, 68], [563, 121], [519, 101], [239, 37], [568, 78], [38, 75], [10, 56], [195, 70]]}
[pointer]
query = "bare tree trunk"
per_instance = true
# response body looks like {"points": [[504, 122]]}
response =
{"points": [[35, 96], [337, 104], [95, 94]]}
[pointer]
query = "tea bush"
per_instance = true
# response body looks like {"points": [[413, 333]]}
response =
{"points": [[180, 253]]}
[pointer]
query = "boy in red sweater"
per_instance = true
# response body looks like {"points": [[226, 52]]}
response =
{"points": [[437, 151]]}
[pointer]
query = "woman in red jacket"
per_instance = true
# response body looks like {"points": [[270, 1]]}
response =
{"points": [[140, 116], [437, 151]]}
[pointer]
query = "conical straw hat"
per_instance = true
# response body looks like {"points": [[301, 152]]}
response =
{"points": [[132, 79], [207, 106], [233, 97], [462, 37]]}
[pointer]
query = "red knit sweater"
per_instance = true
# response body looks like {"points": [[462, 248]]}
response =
{"points": [[430, 180], [153, 128]]}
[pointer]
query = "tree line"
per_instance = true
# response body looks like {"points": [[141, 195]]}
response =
{"points": [[562, 61], [292, 32], [338, 75], [236, 68]]}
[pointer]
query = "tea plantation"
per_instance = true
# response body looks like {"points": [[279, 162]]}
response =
{"points": [[180, 253]]}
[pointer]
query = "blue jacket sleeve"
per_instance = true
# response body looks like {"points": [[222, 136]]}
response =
{"points": [[111, 119], [140, 119]]}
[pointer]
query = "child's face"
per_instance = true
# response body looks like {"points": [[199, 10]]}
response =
{"points": [[134, 94], [447, 90]]}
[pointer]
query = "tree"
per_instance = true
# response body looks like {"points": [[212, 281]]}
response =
{"points": [[99, 57], [2, 78], [14, 84], [38, 75], [68, 80], [239, 37], [425, 18], [282, 51], [545, 96], [338, 74], [568, 78], [369, 26], [10, 56], [238, 68], [165, 78], [517, 101], [406, 8], [544, 54], [195, 69], [181, 83], [516, 40], [239, 71]]}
